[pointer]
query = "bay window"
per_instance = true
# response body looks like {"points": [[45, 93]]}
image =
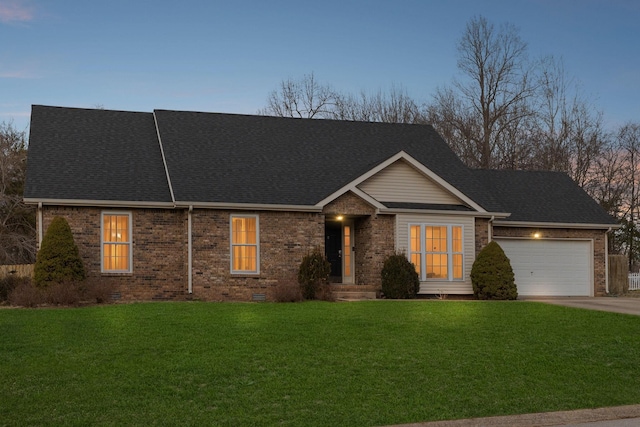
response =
{"points": [[436, 251]]}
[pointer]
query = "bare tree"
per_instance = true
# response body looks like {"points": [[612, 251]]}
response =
{"points": [[568, 133], [304, 98], [394, 106], [17, 220], [493, 97]]}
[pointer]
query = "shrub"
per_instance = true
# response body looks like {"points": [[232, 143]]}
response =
{"points": [[325, 293], [287, 292], [399, 278], [63, 293], [8, 284], [27, 295], [58, 259], [314, 272], [492, 275]]}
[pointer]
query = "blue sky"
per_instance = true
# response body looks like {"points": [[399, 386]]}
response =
{"points": [[226, 56]]}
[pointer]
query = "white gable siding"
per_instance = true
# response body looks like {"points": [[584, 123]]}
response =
{"points": [[436, 286], [400, 182]]}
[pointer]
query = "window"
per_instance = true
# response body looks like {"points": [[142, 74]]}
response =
{"points": [[244, 244], [436, 251], [116, 242]]}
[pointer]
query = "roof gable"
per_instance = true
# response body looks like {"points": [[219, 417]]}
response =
{"points": [[400, 182]]}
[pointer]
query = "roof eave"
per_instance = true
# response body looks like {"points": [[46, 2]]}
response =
{"points": [[99, 203], [540, 224]]}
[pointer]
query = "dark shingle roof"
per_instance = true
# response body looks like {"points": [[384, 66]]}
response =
{"points": [[80, 154], [256, 159], [94, 155], [542, 196]]}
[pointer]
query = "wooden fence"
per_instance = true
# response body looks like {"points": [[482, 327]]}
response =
{"points": [[19, 270], [618, 274]]}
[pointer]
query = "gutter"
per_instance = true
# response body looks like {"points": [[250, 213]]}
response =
{"points": [[490, 229], [39, 225]]}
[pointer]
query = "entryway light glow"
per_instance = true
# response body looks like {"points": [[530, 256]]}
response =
{"points": [[339, 217], [536, 235]]}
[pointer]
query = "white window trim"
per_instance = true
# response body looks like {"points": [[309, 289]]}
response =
{"points": [[130, 242], [257, 245], [423, 252]]}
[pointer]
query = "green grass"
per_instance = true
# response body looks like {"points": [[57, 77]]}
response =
{"points": [[324, 364]]}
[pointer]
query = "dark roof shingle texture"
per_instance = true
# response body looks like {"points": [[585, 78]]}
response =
{"points": [[86, 154], [104, 155]]}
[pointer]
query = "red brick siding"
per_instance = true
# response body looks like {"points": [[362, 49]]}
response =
{"points": [[159, 250], [285, 238]]}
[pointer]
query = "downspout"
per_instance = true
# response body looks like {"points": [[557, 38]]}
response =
{"points": [[189, 251], [490, 229], [39, 224], [606, 260]]}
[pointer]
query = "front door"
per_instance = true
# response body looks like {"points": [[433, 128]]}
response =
{"points": [[339, 250]]}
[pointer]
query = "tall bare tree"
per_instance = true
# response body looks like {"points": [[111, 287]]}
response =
{"points": [[568, 133], [17, 220], [304, 98], [493, 96]]}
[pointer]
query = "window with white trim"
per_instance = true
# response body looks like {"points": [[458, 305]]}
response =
{"points": [[436, 251], [115, 242], [244, 244]]}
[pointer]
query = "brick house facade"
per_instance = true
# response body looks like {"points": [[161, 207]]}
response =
{"points": [[180, 205]]}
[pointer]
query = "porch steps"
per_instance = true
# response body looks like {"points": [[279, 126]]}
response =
{"points": [[353, 292], [354, 296]]}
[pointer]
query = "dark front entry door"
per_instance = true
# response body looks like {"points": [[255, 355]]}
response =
{"points": [[333, 249]]}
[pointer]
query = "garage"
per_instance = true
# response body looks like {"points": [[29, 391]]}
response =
{"points": [[551, 267]]}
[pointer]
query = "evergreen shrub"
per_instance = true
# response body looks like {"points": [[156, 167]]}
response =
{"points": [[492, 276], [58, 259], [399, 278]]}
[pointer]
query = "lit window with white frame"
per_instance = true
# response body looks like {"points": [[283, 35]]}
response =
{"points": [[244, 244], [436, 251], [116, 242]]}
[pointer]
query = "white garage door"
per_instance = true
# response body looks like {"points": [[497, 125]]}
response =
{"points": [[550, 267]]}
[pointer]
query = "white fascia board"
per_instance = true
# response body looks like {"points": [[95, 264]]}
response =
{"points": [[413, 162], [99, 203], [530, 224], [247, 206]]}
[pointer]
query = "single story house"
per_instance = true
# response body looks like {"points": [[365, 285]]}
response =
{"points": [[179, 205]]}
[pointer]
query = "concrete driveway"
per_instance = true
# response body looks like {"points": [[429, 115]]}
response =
{"points": [[612, 304]]}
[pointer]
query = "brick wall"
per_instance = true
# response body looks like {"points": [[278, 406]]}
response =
{"points": [[598, 237], [159, 250], [285, 238], [482, 233]]}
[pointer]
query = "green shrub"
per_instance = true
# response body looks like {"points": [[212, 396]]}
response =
{"points": [[313, 273], [399, 278], [58, 259], [492, 275]]}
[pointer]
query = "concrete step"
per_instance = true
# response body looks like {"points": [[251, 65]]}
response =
{"points": [[354, 295]]}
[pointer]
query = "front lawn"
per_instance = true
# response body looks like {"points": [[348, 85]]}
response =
{"points": [[314, 363]]}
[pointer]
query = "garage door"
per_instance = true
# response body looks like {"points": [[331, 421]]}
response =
{"points": [[550, 267]]}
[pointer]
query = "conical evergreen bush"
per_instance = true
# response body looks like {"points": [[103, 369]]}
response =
{"points": [[492, 276], [58, 259]]}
